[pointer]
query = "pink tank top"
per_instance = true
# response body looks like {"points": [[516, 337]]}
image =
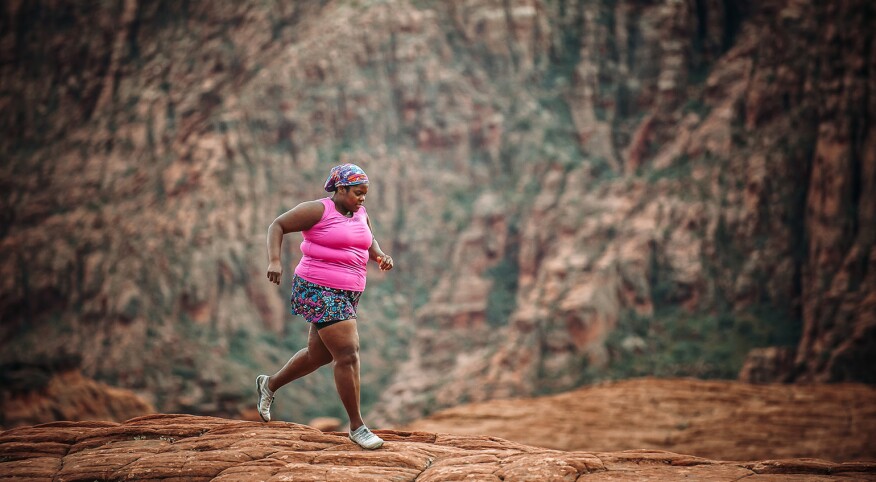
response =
{"points": [[336, 249]]}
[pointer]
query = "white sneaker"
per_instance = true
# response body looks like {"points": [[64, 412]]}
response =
{"points": [[365, 438], [266, 397]]}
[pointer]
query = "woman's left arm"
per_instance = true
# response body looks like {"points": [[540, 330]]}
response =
{"points": [[375, 253]]}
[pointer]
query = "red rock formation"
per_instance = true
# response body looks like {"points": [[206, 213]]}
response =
{"points": [[771, 364], [69, 396], [753, 194], [713, 419], [542, 170], [180, 447]]}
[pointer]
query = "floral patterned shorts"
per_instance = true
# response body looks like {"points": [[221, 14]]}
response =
{"points": [[321, 304]]}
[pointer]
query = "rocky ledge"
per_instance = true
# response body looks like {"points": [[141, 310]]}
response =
{"points": [[715, 419], [193, 448]]}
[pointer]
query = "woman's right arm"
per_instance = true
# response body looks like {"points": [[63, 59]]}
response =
{"points": [[300, 218]]}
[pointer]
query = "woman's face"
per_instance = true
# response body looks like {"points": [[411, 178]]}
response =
{"points": [[351, 197]]}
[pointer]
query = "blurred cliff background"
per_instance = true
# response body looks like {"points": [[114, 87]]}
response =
{"points": [[574, 191]]}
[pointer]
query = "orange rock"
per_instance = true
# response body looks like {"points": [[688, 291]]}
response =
{"points": [[71, 396], [714, 419], [190, 448], [326, 424]]}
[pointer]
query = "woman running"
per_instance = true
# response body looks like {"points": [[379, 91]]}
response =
{"points": [[328, 281]]}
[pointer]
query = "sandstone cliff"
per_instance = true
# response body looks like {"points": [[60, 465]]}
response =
{"points": [[728, 203], [179, 447], [573, 190]]}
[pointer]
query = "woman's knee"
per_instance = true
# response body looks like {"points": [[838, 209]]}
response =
{"points": [[347, 356]]}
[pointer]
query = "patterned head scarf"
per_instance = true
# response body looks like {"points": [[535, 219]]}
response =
{"points": [[345, 175]]}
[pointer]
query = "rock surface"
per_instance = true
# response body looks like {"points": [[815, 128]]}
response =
{"points": [[54, 388], [190, 448], [544, 173], [714, 419], [747, 191], [70, 396]]}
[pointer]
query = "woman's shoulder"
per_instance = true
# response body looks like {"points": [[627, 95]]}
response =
{"points": [[316, 203], [312, 206], [312, 210]]}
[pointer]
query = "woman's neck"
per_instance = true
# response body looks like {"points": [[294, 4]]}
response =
{"points": [[341, 209]]}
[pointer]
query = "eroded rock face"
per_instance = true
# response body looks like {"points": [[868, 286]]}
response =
{"points": [[713, 419], [771, 364], [747, 184], [67, 395], [540, 170], [180, 447]]}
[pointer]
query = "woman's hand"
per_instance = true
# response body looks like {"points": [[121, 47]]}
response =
{"points": [[385, 262], [275, 272]]}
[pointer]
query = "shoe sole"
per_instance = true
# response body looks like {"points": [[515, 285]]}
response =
{"points": [[259, 393]]}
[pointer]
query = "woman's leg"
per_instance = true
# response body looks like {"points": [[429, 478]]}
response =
{"points": [[302, 363], [342, 341]]}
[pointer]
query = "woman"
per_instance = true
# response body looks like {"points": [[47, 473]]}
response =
{"points": [[328, 281]]}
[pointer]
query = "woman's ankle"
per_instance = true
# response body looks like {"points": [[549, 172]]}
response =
{"points": [[268, 384]]}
